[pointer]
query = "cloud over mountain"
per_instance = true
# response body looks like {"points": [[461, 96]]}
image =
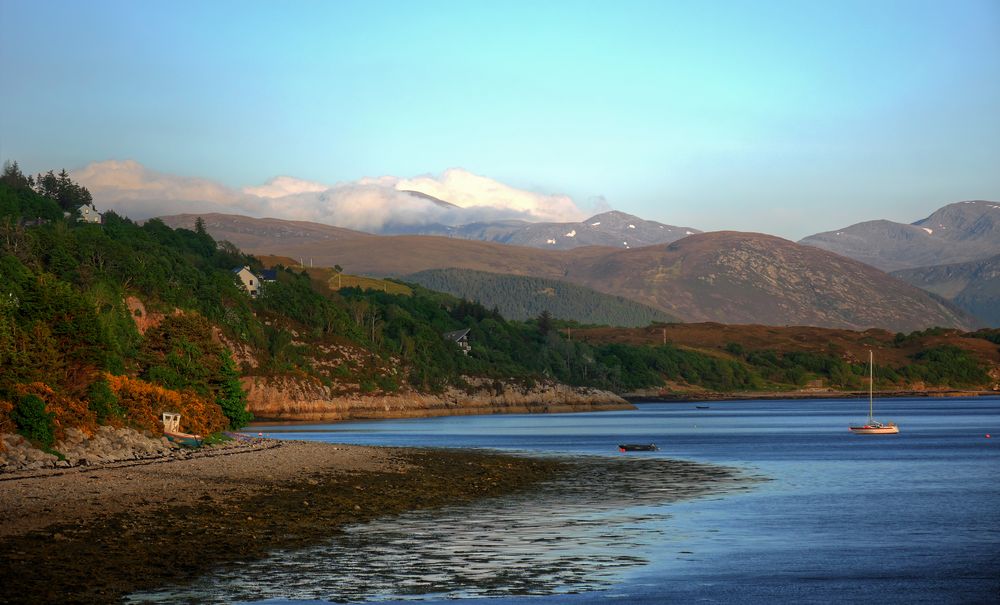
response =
{"points": [[468, 190], [369, 204]]}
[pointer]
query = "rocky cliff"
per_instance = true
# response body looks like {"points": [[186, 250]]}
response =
{"points": [[285, 398]]}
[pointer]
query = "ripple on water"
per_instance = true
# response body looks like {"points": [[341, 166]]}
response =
{"points": [[576, 533]]}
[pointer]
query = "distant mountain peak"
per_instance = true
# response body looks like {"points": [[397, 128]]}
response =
{"points": [[958, 232], [428, 197]]}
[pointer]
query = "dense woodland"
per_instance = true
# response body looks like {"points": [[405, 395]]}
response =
{"points": [[71, 353]]}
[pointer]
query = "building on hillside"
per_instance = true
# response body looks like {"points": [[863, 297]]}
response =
{"points": [[89, 214], [461, 338], [249, 279]]}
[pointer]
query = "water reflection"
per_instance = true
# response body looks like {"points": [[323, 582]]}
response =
{"points": [[577, 533]]}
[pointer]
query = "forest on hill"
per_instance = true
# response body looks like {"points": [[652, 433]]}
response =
{"points": [[522, 297], [114, 322]]}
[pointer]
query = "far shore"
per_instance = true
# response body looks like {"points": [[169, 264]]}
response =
{"points": [[678, 397]]}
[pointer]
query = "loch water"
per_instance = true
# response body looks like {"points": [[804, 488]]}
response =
{"points": [[822, 515]]}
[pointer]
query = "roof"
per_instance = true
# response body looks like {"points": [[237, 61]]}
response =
{"points": [[269, 275], [457, 335]]}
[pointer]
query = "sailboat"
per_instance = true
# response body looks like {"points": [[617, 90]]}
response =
{"points": [[873, 427]]}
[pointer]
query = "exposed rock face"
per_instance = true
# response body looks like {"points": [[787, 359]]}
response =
{"points": [[143, 319], [302, 399]]}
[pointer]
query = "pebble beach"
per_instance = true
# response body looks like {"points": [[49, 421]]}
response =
{"points": [[95, 533]]}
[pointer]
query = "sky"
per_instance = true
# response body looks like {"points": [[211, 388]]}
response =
{"points": [[788, 118]]}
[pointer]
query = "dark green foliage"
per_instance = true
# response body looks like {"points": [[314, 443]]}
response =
{"points": [[640, 367], [230, 394], [902, 339], [61, 189], [990, 334], [520, 297], [544, 322], [180, 354], [946, 365], [33, 421], [103, 402], [293, 296], [799, 367]]}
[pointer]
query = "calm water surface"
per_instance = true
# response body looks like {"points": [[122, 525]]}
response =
{"points": [[911, 518]]}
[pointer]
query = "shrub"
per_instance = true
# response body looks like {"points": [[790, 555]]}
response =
{"points": [[143, 402], [103, 402], [34, 421]]}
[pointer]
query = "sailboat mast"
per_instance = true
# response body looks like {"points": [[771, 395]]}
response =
{"points": [[871, 384]]}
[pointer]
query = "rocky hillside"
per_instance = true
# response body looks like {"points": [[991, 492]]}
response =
{"points": [[733, 277], [959, 232], [614, 229], [973, 286], [288, 398], [727, 277]]}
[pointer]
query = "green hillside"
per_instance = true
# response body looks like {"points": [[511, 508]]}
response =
{"points": [[114, 322], [521, 297]]}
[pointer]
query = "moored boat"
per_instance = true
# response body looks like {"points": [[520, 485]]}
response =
{"points": [[872, 426], [185, 439], [637, 447], [171, 430]]}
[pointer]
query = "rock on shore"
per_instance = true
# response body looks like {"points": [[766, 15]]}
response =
{"points": [[107, 445], [297, 399]]}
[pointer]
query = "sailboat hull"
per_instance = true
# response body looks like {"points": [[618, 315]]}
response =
{"points": [[890, 429]]}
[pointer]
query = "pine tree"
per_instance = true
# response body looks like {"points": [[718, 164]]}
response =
{"points": [[545, 322], [231, 397]]}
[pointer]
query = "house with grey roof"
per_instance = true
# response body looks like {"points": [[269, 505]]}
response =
{"points": [[461, 338]]}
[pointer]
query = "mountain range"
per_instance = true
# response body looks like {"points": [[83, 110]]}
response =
{"points": [[727, 277], [956, 233], [952, 253], [614, 229], [973, 286]]}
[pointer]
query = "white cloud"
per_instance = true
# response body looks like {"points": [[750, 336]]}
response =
{"points": [[285, 185], [130, 179], [369, 204], [468, 190]]}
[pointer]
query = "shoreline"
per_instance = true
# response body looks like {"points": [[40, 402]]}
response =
{"points": [[799, 395], [94, 535]]}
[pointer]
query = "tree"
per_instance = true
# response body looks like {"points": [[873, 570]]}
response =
{"points": [[231, 396], [544, 322], [14, 178]]}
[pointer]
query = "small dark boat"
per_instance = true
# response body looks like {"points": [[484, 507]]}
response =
{"points": [[637, 447], [701, 407]]}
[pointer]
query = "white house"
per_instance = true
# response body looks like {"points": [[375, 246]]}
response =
{"points": [[251, 283], [89, 214]]}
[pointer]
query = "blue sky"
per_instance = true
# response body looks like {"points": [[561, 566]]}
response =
{"points": [[783, 117]]}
